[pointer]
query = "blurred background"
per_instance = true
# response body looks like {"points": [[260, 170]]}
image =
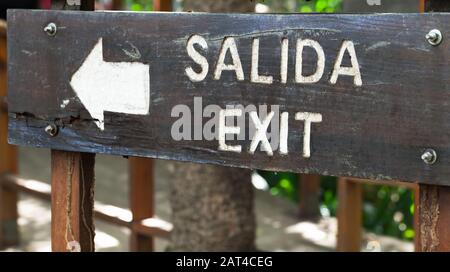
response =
{"points": [[387, 211]]}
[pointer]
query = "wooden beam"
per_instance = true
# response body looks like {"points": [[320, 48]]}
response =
{"points": [[9, 234], [408, 185], [349, 215], [150, 135], [114, 215], [433, 232], [72, 201], [309, 190], [141, 199]]}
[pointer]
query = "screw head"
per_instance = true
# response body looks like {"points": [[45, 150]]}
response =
{"points": [[434, 37], [429, 156], [51, 130], [50, 29]]}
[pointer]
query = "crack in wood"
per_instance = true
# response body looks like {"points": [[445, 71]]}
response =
{"points": [[61, 121]]}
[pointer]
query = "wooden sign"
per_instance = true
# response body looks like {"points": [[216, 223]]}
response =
{"points": [[346, 95]]}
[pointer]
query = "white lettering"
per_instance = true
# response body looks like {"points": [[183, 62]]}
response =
{"points": [[347, 71], [260, 133], [308, 118], [224, 130], [229, 45], [254, 75], [317, 75], [197, 58]]}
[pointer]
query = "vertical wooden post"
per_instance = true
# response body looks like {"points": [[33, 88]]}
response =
{"points": [[162, 5], [416, 217], [433, 231], [141, 200], [432, 207], [9, 234], [349, 215], [117, 4], [72, 201], [309, 190], [72, 185]]}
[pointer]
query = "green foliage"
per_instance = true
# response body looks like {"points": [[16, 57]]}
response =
{"points": [[386, 210], [139, 5], [389, 210], [326, 6], [282, 184], [303, 5]]}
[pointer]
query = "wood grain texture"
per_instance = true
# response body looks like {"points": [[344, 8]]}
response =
{"points": [[72, 201], [432, 212], [72, 180], [376, 131], [349, 214], [433, 232], [141, 178], [141, 199], [309, 193]]}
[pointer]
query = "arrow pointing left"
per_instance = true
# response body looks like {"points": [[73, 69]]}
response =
{"points": [[122, 87]]}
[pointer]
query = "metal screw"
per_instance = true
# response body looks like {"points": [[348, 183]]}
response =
{"points": [[434, 37], [50, 29], [51, 130], [429, 156]]}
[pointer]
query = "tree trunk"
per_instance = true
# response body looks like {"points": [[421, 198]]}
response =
{"points": [[212, 206]]}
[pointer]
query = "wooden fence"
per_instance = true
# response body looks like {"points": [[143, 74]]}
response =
{"points": [[431, 201]]}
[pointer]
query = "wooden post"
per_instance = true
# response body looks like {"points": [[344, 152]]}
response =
{"points": [[72, 186], [117, 4], [141, 200], [432, 207], [435, 5], [72, 201], [309, 190], [162, 5], [349, 215], [9, 234], [433, 230]]}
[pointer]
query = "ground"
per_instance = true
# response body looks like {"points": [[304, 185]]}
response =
{"points": [[278, 227]]}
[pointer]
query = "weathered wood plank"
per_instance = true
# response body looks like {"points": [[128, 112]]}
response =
{"points": [[378, 130]]}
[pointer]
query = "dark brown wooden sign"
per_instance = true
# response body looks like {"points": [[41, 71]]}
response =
{"points": [[345, 95]]}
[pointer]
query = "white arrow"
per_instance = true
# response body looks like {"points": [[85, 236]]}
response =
{"points": [[122, 87]]}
